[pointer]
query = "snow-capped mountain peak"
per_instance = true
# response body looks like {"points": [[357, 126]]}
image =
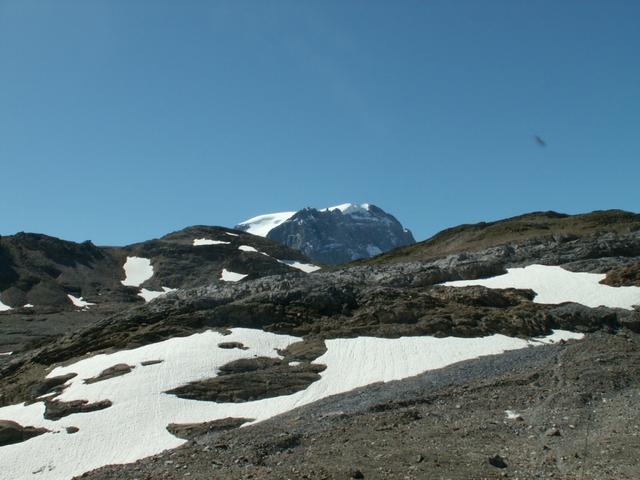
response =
{"points": [[261, 225], [337, 234]]}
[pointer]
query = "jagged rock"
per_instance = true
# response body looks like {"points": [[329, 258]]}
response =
{"points": [[56, 409], [111, 372], [231, 345], [626, 276], [189, 431], [497, 461], [12, 432], [251, 379], [355, 473], [49, 385], [146, 363]]}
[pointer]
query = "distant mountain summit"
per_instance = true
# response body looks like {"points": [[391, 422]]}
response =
{"points": [[333, 235]]}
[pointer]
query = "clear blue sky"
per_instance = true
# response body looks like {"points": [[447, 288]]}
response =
{"points": [[121, 120]]}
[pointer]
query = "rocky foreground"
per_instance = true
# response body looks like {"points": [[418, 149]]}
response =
{"points": [[563, 411]]}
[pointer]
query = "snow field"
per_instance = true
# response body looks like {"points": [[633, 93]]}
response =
{"points": [[554, 285], [134, 426]]}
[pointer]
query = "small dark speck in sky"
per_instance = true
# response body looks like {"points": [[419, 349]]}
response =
{"points": [[540, 141]]}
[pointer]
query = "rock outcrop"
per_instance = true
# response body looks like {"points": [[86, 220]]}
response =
{"points": [[50, 286], [12, 432]]}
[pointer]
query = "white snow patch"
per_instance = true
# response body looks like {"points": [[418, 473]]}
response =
{"points": [[247, 248], [149, 295], [3, 307], [232, 234], [140, 404], [137, 270], [305, 267], [6, 353], [27, 305], [205, 241], [512, 415], [263, 224], [554, 285], [348, 208], [229, 276], [79, 302], [294, 364]]}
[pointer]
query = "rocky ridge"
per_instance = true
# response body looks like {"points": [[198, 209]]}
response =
{"points": [[548, 226], [39, 275], [42, 271]]}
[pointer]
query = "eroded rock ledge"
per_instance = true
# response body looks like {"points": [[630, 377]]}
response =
{"points": [[12, 432], [189, 431], [56, 409], [251, 379]]}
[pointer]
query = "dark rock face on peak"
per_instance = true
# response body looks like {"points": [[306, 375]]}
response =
{"points": [[342, 234]]}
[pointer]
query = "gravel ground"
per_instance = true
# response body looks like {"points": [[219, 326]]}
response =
{"points": [[576, 406]]}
